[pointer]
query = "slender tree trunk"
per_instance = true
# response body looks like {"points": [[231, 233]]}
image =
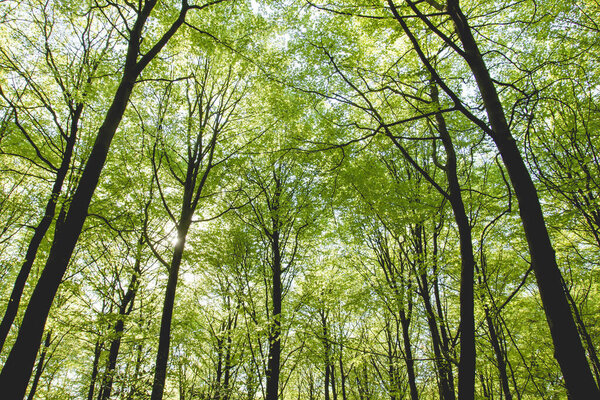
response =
{"points": [[568, 349], [164, 341], [18, 367], [342, 377], [466, 365], [326, 385], [410, 362], [94, 375], [443, 332], [40, 231], [441, 362], [273, 363], [332, 375], [228, 366], [326, 349], [124, 309], [133, 390], [40, 367], [500, 355]]}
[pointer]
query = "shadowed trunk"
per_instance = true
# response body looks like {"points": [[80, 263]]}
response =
{"points": [[124, 309], [568, 349], [17, 370], [273, 363], [40, 231], [40, 368]]}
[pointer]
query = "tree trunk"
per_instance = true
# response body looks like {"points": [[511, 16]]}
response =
{"points": [[585, 334], [164, 341], [410, 363], [18, 367], [332, 380], [342, 377], [124, 309], [94, 375], [40, 231], [443, 331], [466, 365], [273, 364], [40, 368], [568, 349], [441, 362], [500, 355]]}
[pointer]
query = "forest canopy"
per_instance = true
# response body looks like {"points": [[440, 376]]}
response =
{"points": [[299, 199]]}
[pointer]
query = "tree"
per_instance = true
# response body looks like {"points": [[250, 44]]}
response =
{"points": [[19, 364], [212, 103]]}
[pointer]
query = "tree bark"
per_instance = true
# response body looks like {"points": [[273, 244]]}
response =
{"points": [[342, 377], [273, 363], [18, 367], [40, 367], [164, 341], [410, 362], [442, 364], [568, 349], [466, 365], [124, 309], [40, 231], [500, 355], [94, 375]]}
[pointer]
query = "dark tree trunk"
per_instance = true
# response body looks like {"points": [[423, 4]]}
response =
{"points": [[342, 377], [326, 382], [443, 331], [410, 362], [442, 364], [500, 355], [219, 374], [586, 336], [164, 341], [94, 375], [40, 231], [332, 380], [228, 365], [568, 349], [326, 349], [124, 309], [18, 367], [466, 365], [40, 367], [273, 363]]}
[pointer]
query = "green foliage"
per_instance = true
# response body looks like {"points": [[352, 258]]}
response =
{"points": [[325, 134]]}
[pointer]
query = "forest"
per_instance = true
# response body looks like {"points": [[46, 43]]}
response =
{"points": [[299, 199]]}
